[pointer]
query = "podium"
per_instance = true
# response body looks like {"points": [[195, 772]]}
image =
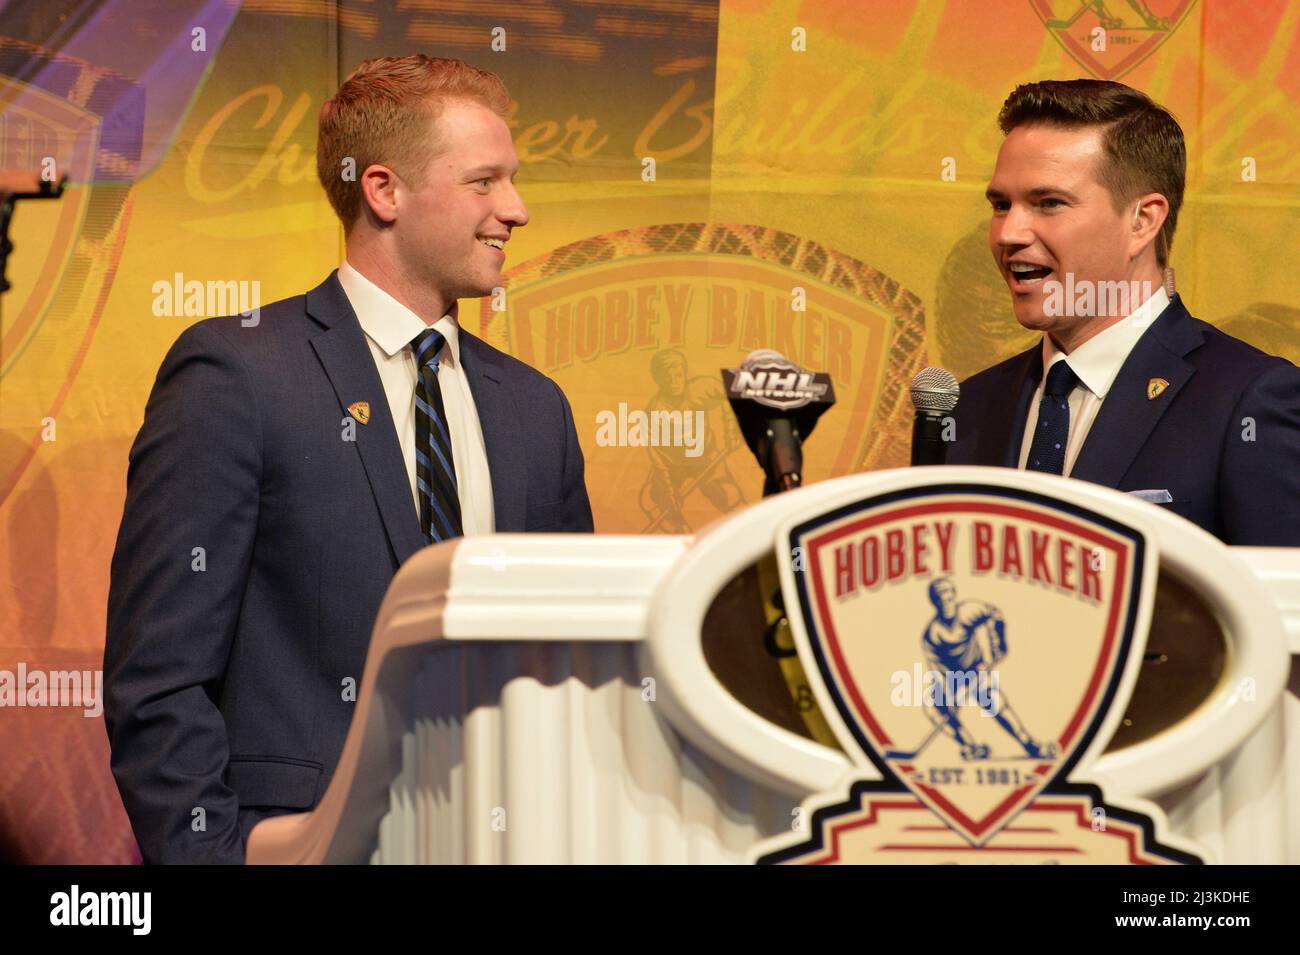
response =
{"points": [[611, 698]]}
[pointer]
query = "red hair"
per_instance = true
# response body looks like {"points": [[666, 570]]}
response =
{"points": [[385, 113]]}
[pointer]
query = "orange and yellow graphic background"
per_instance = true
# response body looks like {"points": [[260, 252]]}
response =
{"points": [[796, 144]]}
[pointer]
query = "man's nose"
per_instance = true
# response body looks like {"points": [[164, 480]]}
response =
{"points": [[1014, 228], [513, 209]]}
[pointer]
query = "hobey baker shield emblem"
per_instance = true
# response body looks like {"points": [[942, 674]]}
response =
{"points": [[972, 641], [1108, 38]]}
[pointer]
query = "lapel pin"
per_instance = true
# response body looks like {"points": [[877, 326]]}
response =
{"points": [[360, 411], [1155, 388]]}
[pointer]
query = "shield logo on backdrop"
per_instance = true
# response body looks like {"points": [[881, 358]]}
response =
{"points": [[652, 313], [1108, 38], [920, 611]]}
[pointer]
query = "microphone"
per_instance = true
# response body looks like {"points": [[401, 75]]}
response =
{"points": [[777, 404], [934, 395]]}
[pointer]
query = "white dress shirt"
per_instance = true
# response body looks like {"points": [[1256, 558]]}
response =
{"points": [[390, 326], [1096, 362]]}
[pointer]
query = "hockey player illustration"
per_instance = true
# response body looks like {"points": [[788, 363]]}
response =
{"points": [[1111, 21], [674, 477], [963, 641]]}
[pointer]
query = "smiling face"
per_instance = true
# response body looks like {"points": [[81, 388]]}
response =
{"points": [[1052, 216], [450, 230]]}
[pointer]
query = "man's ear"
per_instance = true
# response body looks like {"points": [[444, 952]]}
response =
{"points": [[379, 186], [1149, 214]]}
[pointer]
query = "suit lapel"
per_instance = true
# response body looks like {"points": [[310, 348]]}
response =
{"points": [[999, 446], [1127, 417], [503, 432], [346, 357]]}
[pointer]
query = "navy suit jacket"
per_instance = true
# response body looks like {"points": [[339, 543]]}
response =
{"points": [[1223, 438], [256, 546]]}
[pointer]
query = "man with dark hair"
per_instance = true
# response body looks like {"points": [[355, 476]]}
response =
{"points": [[288, 466], [1126, 388]]}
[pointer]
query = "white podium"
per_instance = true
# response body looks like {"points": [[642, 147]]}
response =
{"points": [[578, 698]]}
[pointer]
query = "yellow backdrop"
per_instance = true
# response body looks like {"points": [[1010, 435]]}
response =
{"points": [[837, 148]]}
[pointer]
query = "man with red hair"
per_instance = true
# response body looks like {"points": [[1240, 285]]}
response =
{"points": [[289, 465]]}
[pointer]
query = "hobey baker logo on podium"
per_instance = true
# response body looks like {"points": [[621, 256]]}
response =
{"points": [[920, 620]]}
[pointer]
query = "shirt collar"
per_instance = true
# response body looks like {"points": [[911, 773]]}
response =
{"points": [[389, 323], [1098, 360]]}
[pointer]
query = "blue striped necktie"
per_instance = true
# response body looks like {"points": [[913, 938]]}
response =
{"points": [[1047, 450], [435, 472]]}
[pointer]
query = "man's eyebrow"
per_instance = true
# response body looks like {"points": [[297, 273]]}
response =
{"points": [[1038, 192], [478, 172]]}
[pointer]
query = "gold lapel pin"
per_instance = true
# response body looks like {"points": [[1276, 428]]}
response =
{"points": [[1155, 388], [360, 411]]}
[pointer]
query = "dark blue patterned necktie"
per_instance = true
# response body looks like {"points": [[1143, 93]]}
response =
{"points": [[1047, 450], [435, 472]]}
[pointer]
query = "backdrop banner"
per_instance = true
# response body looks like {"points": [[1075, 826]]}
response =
{"points": [[704, 178]]}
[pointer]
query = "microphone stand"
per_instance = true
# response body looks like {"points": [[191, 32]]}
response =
{"points": [[783, 457], [15, 186]]}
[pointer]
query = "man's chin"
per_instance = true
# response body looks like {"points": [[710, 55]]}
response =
{"points": [[1030, 315], [480, 289], [489, 284]]}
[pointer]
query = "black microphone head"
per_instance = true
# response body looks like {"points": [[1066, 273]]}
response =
{"points": [[935, 390]]}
